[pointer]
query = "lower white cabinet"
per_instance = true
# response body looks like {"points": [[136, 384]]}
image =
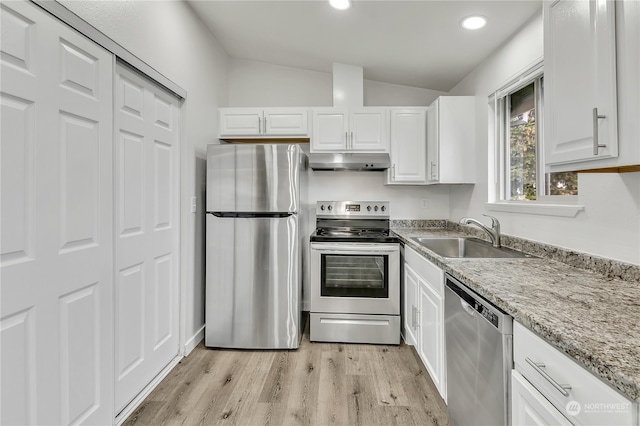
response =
{"points": [[548, 386], [424, 315], [529, 407]]}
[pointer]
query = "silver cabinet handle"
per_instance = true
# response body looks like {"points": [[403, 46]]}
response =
{"points": [[433, 174], [393, 171], [351, 140], [346, 139], [417, 319], [265, 125], [259, 125], [596, 143], [538, 366]]}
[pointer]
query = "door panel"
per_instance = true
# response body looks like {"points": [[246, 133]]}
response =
{"points": [[253, 178], [253, 282], [57, 250], [146, 211]]}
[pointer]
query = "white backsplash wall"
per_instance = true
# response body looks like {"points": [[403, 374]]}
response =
{"points": [[610, 224]]}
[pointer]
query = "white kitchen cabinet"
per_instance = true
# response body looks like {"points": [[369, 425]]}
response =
{"points": [[264, 122], [451, 140], [529, 407], [580, 105], [574, 392], [424, 315], [408, 146], [350, 130]]}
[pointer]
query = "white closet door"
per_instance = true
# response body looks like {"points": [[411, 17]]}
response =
{"points": [[147, 232], [56, 204]]}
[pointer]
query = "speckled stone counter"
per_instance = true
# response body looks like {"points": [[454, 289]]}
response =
{"points": [[593, 318]]}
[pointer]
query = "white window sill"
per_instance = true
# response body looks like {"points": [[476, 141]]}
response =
{"points": [[543, 209]]}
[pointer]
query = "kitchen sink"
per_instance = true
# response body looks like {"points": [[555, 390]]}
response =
{"points": [[467, 248]]}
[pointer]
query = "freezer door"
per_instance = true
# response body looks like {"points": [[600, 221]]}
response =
{"points": [[249, 178], [253, 283]]}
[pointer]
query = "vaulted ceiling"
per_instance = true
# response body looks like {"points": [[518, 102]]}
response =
{"points": [[413, 43]]}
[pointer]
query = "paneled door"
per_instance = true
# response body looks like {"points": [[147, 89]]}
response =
{"points": [[146, 232], [56, 258]]}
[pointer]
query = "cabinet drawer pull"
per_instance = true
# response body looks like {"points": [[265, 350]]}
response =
{"points": [[538, 366], [393, 171], [265, 125], [596, 143], [259, 125]]}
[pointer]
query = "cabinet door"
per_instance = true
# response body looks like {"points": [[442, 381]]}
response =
{"points": [[529, 407], [330, 130], [430, 334], [240, 122], [286, 122], [580, 76], [368, 130], [408, 146], [433, 141], [410, 306]]}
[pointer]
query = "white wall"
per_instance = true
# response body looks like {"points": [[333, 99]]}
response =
{"points": [[610, 224], [260, 84], [169, 37]]}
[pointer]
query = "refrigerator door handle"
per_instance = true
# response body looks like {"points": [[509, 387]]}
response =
{"points": [[251, 214]]}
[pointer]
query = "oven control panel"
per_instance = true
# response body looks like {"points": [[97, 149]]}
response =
{"points": [[373, 209]]}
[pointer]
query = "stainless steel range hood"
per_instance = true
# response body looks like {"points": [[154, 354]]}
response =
{"points": [[350, 161]]}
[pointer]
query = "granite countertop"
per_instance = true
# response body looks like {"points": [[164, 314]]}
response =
{"points": [[590, 317]]}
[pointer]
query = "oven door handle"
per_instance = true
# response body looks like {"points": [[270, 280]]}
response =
{"points": [[355, 247]]}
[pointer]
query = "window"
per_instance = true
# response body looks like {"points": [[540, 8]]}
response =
{"points": [[520, 156]]}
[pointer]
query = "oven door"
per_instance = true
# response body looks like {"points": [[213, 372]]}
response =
{"points": [[359, 278]]}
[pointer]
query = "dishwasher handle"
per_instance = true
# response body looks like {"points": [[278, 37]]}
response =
{"points": [[467, 308]]}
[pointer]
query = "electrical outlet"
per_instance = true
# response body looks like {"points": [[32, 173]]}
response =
{"points": [[424, 203]]}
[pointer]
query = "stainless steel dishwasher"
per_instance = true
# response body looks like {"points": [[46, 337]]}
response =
{"points": [[479, 344]]}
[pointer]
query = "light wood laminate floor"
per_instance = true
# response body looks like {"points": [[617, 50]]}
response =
{"points": [[318, 384]]}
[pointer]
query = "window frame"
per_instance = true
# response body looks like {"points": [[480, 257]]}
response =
{"points": [[499, 169]]}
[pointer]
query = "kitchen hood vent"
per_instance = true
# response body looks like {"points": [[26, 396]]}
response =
{"points": [[350, 161]]}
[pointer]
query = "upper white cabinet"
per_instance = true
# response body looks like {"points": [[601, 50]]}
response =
{"points": [[350, 130], [424, 315], [408, 146], [451, 140], [264, 122], [580, 106]]}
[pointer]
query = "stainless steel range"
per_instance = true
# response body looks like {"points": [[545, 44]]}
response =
{"points": [[355, 274]]}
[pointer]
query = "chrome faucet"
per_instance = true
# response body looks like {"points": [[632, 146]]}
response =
{"points": [[494, 231]]}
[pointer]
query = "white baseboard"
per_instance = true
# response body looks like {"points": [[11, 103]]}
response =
{"points": [[126, 412], [193, 341]]}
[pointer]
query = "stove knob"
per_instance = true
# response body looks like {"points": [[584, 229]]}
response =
{"points": [[368, 208], [383, 208], [322, 207], [329, 207], [375, 208]]}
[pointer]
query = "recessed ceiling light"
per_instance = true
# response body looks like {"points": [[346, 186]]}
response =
{"points": [[340, 4], [474, 22]]}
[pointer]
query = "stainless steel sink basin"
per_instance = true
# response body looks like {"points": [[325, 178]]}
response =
{"points": [[467, 248]]}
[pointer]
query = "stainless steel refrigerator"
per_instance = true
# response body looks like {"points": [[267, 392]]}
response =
{"points": [[254, 245]]}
